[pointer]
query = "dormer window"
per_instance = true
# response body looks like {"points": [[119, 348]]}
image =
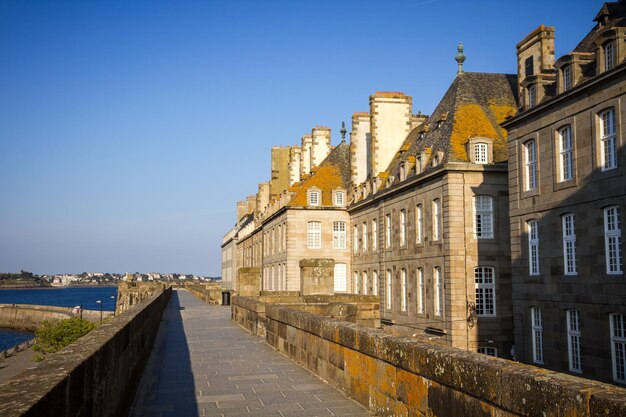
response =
{"points": [[480, 153], [480, 150], [532, 96], [609, 55], [339, 198], [418, 165], [314, 198], [567, 77], [402, 171]]}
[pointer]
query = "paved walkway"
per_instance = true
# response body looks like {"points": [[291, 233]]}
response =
{"points": [[203, 364]]}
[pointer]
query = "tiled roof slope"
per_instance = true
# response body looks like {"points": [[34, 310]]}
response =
{"points": [[610, 15], [473, 106], [333, 173]]}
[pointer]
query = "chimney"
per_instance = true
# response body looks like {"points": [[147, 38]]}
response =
{"points": [[262, 197], [305, 157], [535, 64], [280, 170], [241, 210], [359, 145], [321, 144], [250, 204], [390, 123], [295, 159]]}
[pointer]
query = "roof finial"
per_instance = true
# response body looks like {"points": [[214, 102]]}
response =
{"points": [[460, 58], [343, 131]]}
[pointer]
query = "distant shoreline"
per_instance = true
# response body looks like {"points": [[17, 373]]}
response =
{"points": [[49, 287]]}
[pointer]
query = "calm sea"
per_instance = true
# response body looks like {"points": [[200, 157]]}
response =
{"points": [[60, 297]]}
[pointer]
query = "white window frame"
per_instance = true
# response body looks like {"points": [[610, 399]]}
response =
{"points": [[420, 288], [365, 289], [340, 277], [483, 217], [364, 238], [613, 240], [537, 334], [567, 77], [339, 235], [532, 96], [403, 290], [618, 346], [566, 153], [419, 223], [355, 283], [608, 139], [609, 55], [436, 219], [314, 234], [568, 222], [573, 341], [488, 350], [355, 238], [374, 235], [388, 290], [314, 198], [340, 198], [530, 165], [388, 230], [480, 153], [485, 283], [375, 282], [438, 293], [532, 227], [402, 227]]}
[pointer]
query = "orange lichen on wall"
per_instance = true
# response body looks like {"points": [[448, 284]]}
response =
{"points": [[327, 178]]}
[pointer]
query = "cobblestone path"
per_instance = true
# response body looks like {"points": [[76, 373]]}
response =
{"points": [[203, 364]]}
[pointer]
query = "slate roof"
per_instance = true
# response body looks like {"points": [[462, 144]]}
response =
{"points": [[332, 173], [473, 106]]}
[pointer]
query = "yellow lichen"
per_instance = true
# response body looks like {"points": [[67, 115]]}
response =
{"points": [[326, 178], [469, 121]]}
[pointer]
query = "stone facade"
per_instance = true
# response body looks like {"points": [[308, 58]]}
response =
{"points": [[564, 181]]}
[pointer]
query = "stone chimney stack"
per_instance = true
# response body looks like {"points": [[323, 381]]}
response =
{"points": [[359, 145], [262, 197], [241, 210], [390, 123], [250, 204], [321, 144], [280, 170], [305, 157], [535, 65], [295, 160]]}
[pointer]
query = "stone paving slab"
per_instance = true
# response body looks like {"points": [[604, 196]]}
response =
{"points": [[203, 364]]}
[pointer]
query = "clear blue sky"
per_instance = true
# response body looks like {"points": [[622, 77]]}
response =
{"points": [[129, 129]]}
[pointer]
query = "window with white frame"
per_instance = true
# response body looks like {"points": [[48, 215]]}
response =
{"points": [[339, 198], [374, 235], [573, 341], [438, 290], [483, 217], [355, 238], [488, 350], [530, 171], [314, 235], [356, 282], [420, 290], [419, 224], [613, 240], [388, 230], [375, 282], [569, 243], [402, 227], [567, 77], [403, 290], [609, 55], [618, 346], [480, 153], [365, 283], [533, 247], [537, 333], [436, 219], [340, 274], [608, 146], [484, 278], [314, 198], [388, 290], [364, 238], [339, 235], [566, 153], [532, 96], [273, 279]]}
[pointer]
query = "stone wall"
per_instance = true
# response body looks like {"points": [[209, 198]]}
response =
{"points": [[96, 375], [131, 292], [29, 317], [209, 293], [398, 376]]}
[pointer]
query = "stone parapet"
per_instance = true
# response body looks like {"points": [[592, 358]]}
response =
{"points": [[29, 317], [131, 293], [400, 376], [210, 293], [95, 376], [248, 281], [317, 276]]}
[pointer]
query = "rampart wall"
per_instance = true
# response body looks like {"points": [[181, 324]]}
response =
{"points": [[29, 317], [94, 376], [209, 293], [399, 376]]}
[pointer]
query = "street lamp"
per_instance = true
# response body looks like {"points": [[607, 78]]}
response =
{"points": [[113, 298], [100, 302]]}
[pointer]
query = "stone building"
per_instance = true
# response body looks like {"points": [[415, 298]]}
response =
{"points": [[430, 232], [567, 191]]}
